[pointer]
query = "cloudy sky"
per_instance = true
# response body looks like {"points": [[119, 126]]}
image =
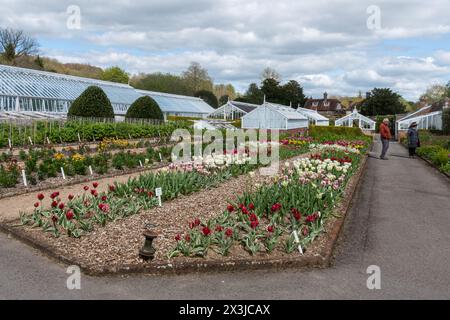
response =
{"points": [[335, 46]]}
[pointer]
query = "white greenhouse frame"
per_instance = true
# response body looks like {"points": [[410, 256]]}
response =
{"points": [[275, 117], [314, 117], [432, 120], [232, 111], [364, 122]]}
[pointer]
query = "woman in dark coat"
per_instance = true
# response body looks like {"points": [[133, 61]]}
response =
{"points": [[413, 139]]}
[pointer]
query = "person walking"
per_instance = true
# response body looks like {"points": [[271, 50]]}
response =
{"points": [[385, 134], [413, 139]]}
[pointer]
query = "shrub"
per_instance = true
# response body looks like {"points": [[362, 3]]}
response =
{"points": [[93, 102], [144, 108], [323, 133], [208, 97]]}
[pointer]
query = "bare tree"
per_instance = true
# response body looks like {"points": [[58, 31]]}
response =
{"points": [[16, 43], [269, 73], [197, 78]]}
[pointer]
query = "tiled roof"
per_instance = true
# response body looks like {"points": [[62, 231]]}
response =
{"points": [[319, 104]]}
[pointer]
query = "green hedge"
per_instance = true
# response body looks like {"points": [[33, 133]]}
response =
{"points": [[436, 154], [93, 102], [322, 133], [144, 108]]}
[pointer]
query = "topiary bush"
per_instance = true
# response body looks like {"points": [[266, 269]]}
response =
{"points": [[93, 102], [144, 108]]}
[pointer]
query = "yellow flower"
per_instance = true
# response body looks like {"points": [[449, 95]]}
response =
{"points": [[59, 156], [78, 157]]}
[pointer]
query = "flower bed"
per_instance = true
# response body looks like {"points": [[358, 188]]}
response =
{"points": [[283, 215]]}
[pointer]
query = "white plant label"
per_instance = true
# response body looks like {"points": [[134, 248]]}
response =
{"points": [[140, 163], [79, 138], [297, 240], [48, 140], [63, 174], [9, 142], [158, 193], [24, 178], [90, 171], [31, 141], [129, 136], [160, 157]]}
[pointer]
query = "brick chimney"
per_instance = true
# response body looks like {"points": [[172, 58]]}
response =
{"points": [[325, 97]]}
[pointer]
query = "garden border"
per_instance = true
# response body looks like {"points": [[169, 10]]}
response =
{"points": [[322, 260]]}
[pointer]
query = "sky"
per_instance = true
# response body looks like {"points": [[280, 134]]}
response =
{"points": [[341, 47]]}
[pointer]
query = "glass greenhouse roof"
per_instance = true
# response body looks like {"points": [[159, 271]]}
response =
{"points": [[177, 103], [20, 82]]}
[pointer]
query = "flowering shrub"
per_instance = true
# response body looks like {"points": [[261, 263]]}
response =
{"points": [[318, 148]]}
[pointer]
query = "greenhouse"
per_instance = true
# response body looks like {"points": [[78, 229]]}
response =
{"points": [[26, 91], [314, 117], [355, 118], [428, 117], [274, 116], [232, 110], [177, 105]]}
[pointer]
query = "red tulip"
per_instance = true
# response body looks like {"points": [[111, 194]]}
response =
{"points": [[310, 218], [36, 204], [94, 192], [177, 237], [54, 204], [244, 210], [104, 198], [251, 206], [70, 197], [61, 205], [297, 215], [54, 195], [112, 188], [254, 224], [86, 188], [230, 208], [206, 231], [40, 196], [191, 225], [187, 238], [219, 228], [229, 232], [54, 219], [150, 194], [197, 222], [253, 217], [69, 215], [270, 229], [95, 185]]}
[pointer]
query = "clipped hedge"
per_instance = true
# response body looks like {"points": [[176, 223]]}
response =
{"points": [[209, 97], [329, 132], [93, 102], [144, 108]]}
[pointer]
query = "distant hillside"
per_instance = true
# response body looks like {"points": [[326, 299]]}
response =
{"points": [[53, 65]]}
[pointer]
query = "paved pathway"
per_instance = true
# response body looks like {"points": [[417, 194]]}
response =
{"points": [[400, 221]]}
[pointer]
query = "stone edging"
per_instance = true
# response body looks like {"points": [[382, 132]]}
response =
{"points": [[321, 260]]}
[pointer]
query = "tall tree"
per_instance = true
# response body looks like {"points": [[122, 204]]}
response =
{"points": [[197, 78], [382, 101], [292, 92], [16, 43], [168, 83], [115, 74], [270, 73], [435, 93], [271, 88], [208, 97], [253, 94]]}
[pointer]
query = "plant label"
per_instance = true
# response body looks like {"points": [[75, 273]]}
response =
{"points": [[129, 136], [297, 240], [9, 142], [90, 171], [31, 141], [79, 138], [160, 157], [48, 140], [158, 193], [63, 174], [300, 249], [24, 178], [140, 163]]}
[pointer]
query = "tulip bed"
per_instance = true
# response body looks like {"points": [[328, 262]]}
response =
{"points": [[294, 207]]}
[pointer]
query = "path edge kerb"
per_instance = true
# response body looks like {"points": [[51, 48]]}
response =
{"points": [[322, 260]]}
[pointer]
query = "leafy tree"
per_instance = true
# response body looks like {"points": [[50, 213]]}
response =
{"points": [[93, 102], [252, 95], [271, 88], [382, 101], [144, 108], [435, 93], [208, 97], [225, 89], [292, 92], [16, 43], [269, 73], [223, 99], [448, 89], [197, 78], [115, 74], [161, 82]]}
